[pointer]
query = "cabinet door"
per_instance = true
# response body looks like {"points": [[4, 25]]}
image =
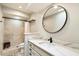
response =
{"points": [[41, 52], [34, 53]]}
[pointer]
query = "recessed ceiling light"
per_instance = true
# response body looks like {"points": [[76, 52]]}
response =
{"points": [[20, 6]]}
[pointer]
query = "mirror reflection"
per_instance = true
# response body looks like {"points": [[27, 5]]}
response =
{"points": [[54, 19]]}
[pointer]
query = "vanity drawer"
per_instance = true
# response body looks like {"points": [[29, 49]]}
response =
{"points": [[40, 51], [33, 52]]}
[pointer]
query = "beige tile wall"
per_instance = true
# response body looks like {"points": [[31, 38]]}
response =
{"points": [[13, 31]]}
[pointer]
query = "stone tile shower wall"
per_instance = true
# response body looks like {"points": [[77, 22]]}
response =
{"points": [[13, 31]]}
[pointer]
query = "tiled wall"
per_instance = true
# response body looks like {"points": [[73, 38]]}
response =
{"points": [[13, 31]]}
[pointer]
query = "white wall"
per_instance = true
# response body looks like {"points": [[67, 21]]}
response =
{"points": [[27, 27], [69, 33]]}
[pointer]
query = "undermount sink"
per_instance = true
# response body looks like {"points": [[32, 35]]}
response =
{"points": [[47, 45]]}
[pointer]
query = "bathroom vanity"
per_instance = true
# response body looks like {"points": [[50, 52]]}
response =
{"points": [[35, 50], [39, 47], [35, 46]]}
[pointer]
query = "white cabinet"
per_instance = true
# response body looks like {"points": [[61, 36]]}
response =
{"points": [[33, 52], [36, 51]]}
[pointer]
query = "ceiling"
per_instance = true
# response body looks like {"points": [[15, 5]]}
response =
{"points": [[28, 8]]}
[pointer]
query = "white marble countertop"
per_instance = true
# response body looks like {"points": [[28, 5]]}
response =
{"points": [[54, 49]]}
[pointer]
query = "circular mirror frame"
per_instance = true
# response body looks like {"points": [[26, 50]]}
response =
{"points": [[62, 25]]}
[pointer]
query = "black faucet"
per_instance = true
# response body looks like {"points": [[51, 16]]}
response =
{"points": [[50, 39]]}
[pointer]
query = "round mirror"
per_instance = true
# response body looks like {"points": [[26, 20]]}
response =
{"points": [[54, 19]]}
